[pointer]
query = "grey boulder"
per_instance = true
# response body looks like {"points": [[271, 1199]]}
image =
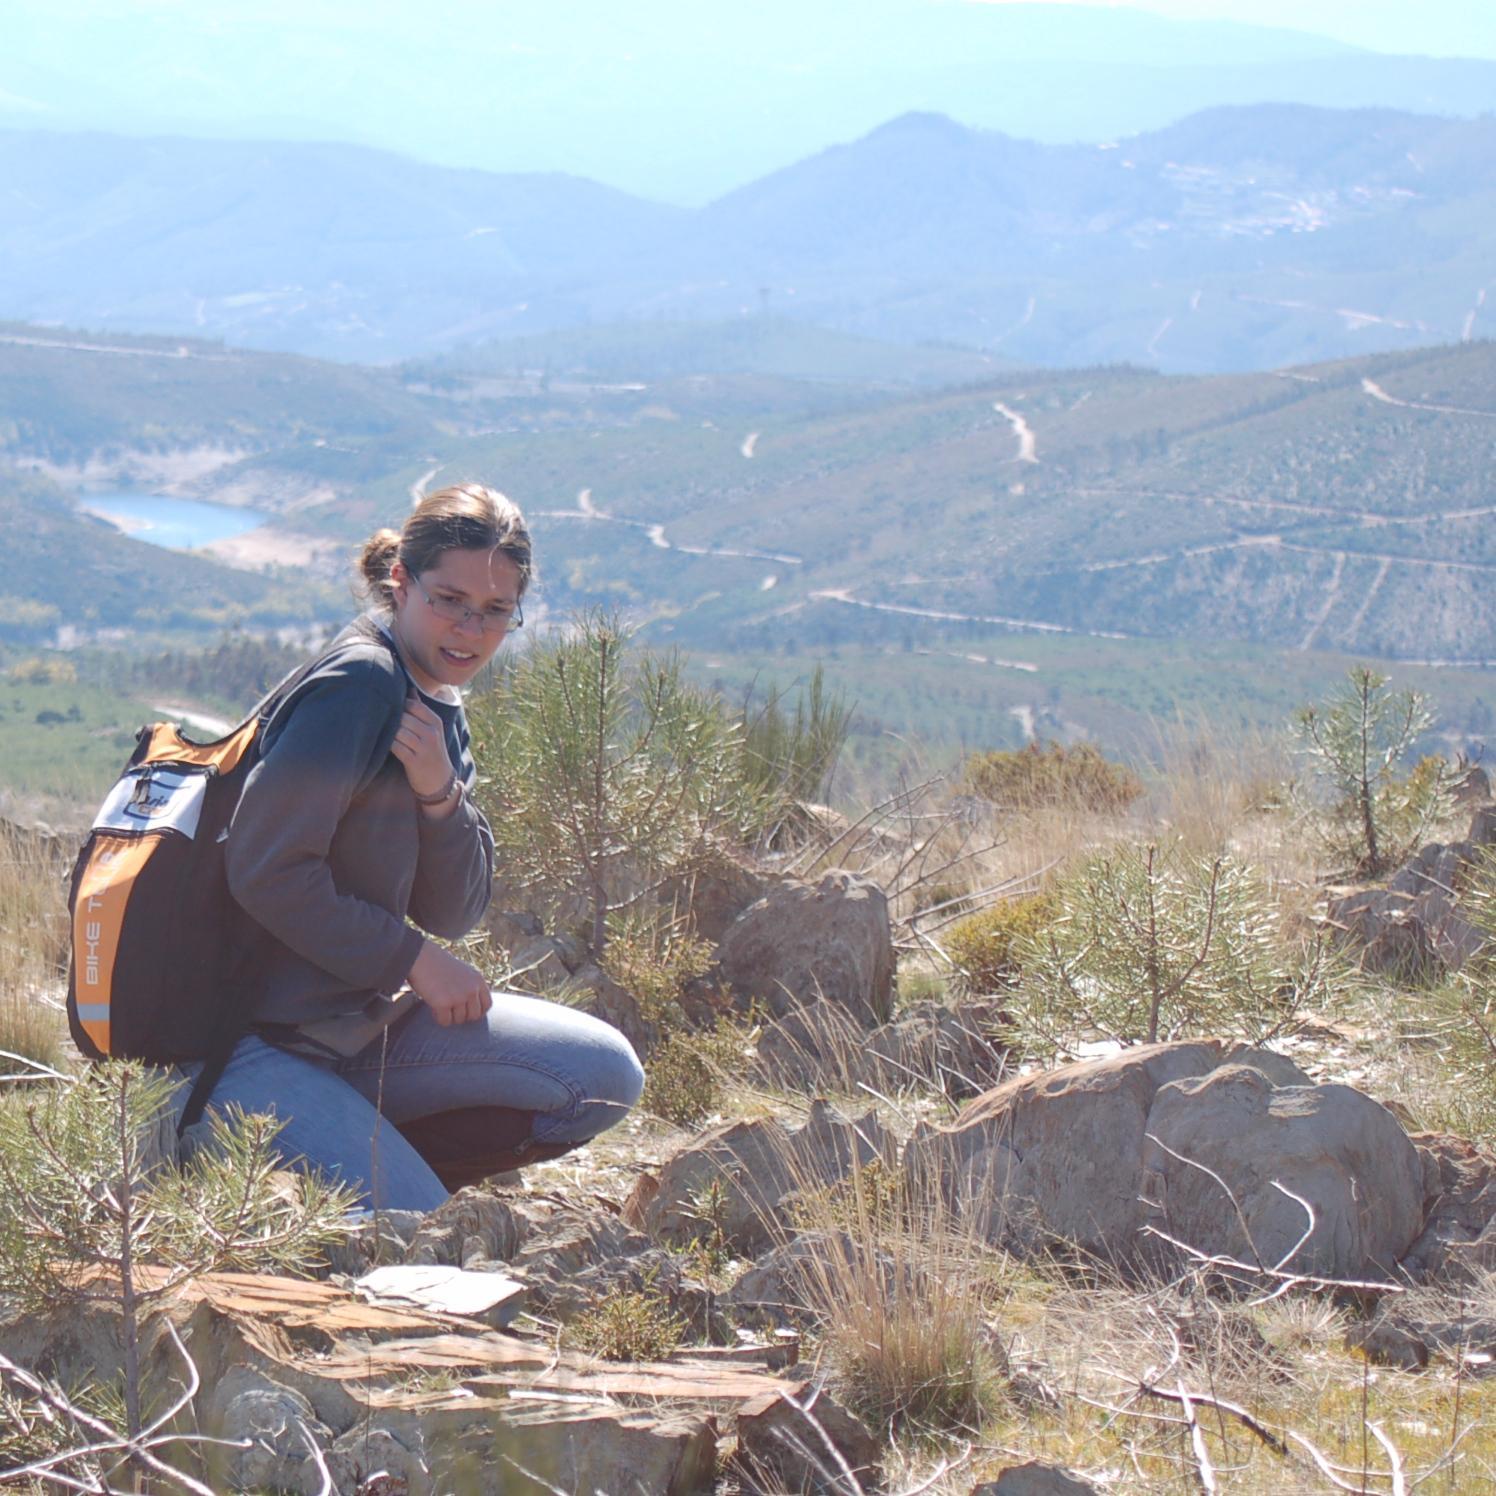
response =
{"points": [[802, 943]]}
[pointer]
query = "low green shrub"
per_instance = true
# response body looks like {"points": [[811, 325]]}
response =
{"points": [[789, 758], [684, 1079], [654, 962], [1369, 816], [1078, 775], [636, 1325], [1153, 942], [985, 946]]}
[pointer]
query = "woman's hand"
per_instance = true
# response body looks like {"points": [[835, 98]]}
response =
{"points": [[454, 991], [421, 746]]}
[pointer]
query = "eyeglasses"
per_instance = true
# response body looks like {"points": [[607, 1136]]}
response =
{"points": [[494, 621]]}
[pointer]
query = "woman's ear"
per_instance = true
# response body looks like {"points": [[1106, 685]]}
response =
{"points": [[399, 577]]}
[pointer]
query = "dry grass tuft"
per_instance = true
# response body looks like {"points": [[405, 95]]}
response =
{"points": [[1216, 794], [33, 946], [905, 1314]]}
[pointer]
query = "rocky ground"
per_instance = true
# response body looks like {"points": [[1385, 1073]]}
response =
{"points": [[891, 1257]]}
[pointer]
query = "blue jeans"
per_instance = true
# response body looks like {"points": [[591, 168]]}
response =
{"points": [[561, 1075]]}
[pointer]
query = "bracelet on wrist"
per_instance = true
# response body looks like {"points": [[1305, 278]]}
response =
{"points": [[450, 788]]}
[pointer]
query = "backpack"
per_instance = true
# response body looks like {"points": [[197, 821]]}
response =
{"points": [[165, 964]]}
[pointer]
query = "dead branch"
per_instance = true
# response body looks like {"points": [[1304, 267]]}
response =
{"points": [[941, 1471], [108, 1442], [35, 1068], [804, 1409], [318, 1459], [1292, 1280], [1394, 1459], [1203, 1467], [1328, 1470], [888, 807], [1221, 1405], [1192, 1163]]}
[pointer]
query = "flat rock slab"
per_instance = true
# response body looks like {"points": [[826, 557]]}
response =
{"points": [[473, 1408], [493, 1298]]}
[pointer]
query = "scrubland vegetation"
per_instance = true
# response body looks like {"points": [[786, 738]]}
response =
{"points": [[1094, 906]]}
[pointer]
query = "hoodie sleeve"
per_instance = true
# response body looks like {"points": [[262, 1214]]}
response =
{"points": [[276, 856], [454, 876]]}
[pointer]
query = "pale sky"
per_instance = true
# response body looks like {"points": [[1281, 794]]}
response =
{"points": [[1441, 28], [1447, 28]]}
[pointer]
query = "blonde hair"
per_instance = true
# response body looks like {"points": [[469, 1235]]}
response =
{"points": [[463, 517]]}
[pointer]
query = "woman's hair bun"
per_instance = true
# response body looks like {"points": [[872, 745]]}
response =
{"points": [[377, 560]]}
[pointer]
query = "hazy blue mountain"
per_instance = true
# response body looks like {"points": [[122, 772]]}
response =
{"points": [[925, 197], [656, 99], [1239, 238], [307, 247]]}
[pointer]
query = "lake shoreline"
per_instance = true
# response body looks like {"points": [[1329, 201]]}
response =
{"points": [[168, 521]]}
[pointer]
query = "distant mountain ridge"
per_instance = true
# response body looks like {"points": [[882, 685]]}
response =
{"points": [[1236, 239]]}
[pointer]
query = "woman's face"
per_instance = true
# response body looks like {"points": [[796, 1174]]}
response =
{"points": [[444, 651]]}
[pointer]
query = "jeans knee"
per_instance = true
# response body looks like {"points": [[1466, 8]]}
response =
{"points": [[611, 1085], [620, 1076]]}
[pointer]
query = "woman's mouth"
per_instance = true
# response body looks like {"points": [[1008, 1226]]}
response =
{"points": [[458, 657]]}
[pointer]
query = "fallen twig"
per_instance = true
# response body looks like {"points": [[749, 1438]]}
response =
{"points": [[1203, 1467], [1311, 1280]]}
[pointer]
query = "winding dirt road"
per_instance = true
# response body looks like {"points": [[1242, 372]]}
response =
{"points": [[1027, 441], [843, 595], [1376, 392], [73, 346], [588, 511], [979, 659]]}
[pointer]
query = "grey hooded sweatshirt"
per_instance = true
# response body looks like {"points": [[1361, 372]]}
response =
{"points": [[328, 850]]}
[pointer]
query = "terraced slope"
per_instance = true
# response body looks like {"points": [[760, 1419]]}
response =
{"points": [[1340, 507], [1345, 506]]}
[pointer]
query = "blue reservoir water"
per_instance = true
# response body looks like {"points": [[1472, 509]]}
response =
{"points": [[176, 524]]}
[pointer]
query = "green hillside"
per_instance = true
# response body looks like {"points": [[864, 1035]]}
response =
{"points": [[1341, 506], [1226, 543], [1307, 508]]}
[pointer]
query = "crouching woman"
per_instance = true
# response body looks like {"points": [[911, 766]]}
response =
{"points": [[389, 1061]]}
